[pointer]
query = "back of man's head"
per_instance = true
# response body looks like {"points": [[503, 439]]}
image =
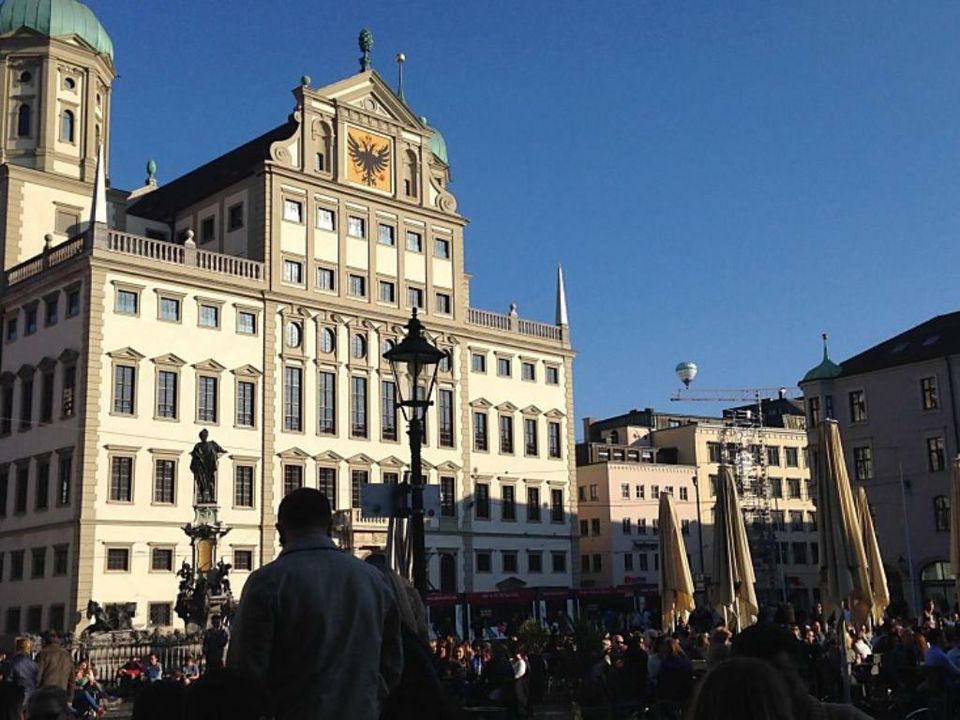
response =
{"points": [[227, 694], [48, 703], [304, 510], [24, 645], [50, 637]]}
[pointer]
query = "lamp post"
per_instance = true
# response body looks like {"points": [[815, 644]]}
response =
{"points": [[418, 356]]}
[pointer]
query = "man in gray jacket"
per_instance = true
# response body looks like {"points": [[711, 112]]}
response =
{"points": [[320, 628]]}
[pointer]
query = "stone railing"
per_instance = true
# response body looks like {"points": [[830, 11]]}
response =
{"points": [[160, 250], [511, 323], [50, 257], [360, 519]]}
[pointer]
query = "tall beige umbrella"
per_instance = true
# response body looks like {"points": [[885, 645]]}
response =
{"points": [[676, 583], [955, 521], [732, 585], [843, 562], [879, 593]]}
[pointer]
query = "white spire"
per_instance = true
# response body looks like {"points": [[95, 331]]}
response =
{"points": [[562, 318], [98, 212]]}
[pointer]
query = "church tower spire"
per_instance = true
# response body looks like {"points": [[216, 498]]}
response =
{"points": [[562, 318]]}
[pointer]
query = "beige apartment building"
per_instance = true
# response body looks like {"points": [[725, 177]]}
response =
{"points": [[252, 297], [643, 453], [896, 406]]}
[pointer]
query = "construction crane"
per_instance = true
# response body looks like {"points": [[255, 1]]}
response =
{"points": [[727, 394]]}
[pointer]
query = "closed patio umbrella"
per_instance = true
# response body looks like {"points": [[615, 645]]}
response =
{"points": [[398, 550], [843, 562], [879, 592], [955, 521], [732, 587], [675, 581]]}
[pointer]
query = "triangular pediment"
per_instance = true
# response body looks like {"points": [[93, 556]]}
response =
{"points": [[246, 371], [127, 353], [392, 461], [328, 456], [448, 467], [368, 92], [481, 403], [532, 410], [293, 453], [169, 359], [555, 414], [507, 407], [360, 459], [209, 365]]}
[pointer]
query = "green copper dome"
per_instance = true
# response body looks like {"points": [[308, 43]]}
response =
{"points": [[56, 18], [826, 370], [438, 146]]}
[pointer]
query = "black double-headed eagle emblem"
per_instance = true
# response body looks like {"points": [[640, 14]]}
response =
{"points": [[371, 161]]}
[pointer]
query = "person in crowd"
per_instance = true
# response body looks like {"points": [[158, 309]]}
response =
{"points": [[318, 627], [153, 670], [719, 649], [675, 679], [49, 702], [777, 647], [939, 669], [129, 676], [700, 647], [930, 617], [190, 671], [721, 696], [521, 677], [87, 694], [230, 695], [163, 700], [20, 669], [215, 641], [54, 664], [11, 701]]}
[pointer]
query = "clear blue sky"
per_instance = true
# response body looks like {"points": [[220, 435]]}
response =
{"points": [[721, 181]]}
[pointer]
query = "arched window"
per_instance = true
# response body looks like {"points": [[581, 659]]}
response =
{"points": [[941, 513], [66, 126], [614, 437], [328, 341], [23, 121], [324, 162], [938, 583], [359, 346], [410, 182], [387, 346]]}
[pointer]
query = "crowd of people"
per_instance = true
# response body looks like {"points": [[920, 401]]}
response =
{"points": [[319, 634]]}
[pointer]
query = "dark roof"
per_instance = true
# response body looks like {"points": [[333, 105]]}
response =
{"points": [[164, 202], [935, 338], [773, 409]]}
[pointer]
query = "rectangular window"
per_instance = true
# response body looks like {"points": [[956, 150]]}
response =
{"points": [[685, 527], [121, 479], [625, 491], [530, 436], [30, 317], [800, 553], [793, 457], [167, 394], [208, 230], [503, 367], [327, 403], [796, 521], [773, 456], [388, 410], [639, 491], [385, 235], [528, 371], [41, 499], [814, 553], [50, 311], [793, 486], [776, 487], [246, 323], [441, 248], [64, 482], [778, 519], [207, 399], [508, 502], [160, 614], [480, 431], [357, 285], [358, 406], [358, 478], [325, 219], [118, 559], [484, 562], [356, 227], [69, 389], [448, 496], [124, 379], [61, 559], [209, 316], [243, 560], [415, 297], [11, 328], [553, 439], [293, 272], [858, 406], [326, 279], [641, 526], [414, 241], [16, 564], [327, 484], [628, 561], [292, 210], [235, 217], [46, 397], [534, 561], [584, 528], [164, 481], [506, 434], [559, 562], [482, 501], [243, 486], [533, 504], [626, 526], [510, 561], [388, 291], [684, 493], [445, 417], [444, 304], [863, 464], [936, 454], [553, 375], [26, 403], [293, 399], [597, 562], [73, 302], [161, 559], [128, 302], [594, 493], [169, 309], [478, 362], [928, 393], [245, 404], [292, 478], [38, 565]]}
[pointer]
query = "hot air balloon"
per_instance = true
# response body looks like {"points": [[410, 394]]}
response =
{"points": [[687, 371]]}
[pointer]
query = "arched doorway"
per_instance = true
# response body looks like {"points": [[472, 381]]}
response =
{"points": [[448, 572], [937, 583]]}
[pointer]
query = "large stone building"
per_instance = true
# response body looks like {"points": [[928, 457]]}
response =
{"points": [[628, 460], [253, 297], [896, 404]]}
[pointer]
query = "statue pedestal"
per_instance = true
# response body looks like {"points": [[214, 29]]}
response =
{"points": [[205, 589]]}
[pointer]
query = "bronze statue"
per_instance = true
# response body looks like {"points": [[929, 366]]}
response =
{"points": [[100, 622], [205, 455]]}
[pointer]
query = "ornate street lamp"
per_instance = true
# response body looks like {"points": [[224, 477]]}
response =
{"points": [[419, 358]]}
